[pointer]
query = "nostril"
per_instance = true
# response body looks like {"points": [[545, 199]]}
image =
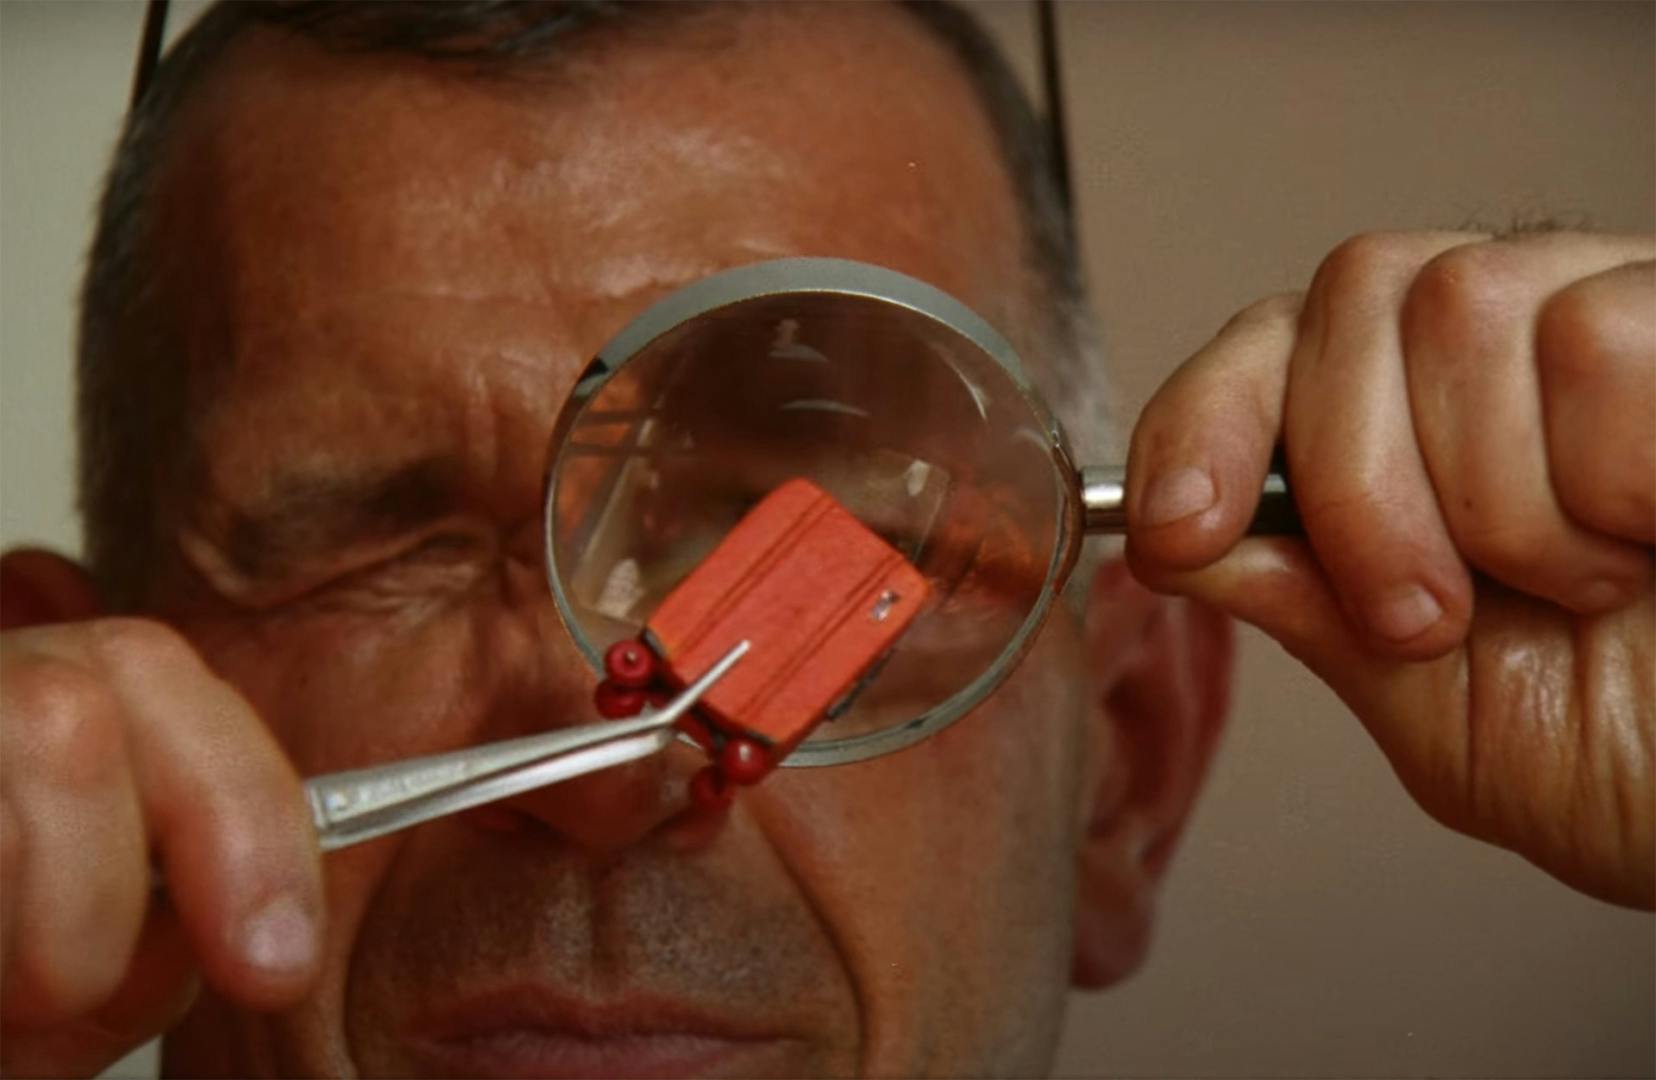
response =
{"points": [[496, 818]]}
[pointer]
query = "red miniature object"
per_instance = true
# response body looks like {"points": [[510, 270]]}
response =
{"points": [[710, 791], [630, 664], [743, 761], [618, 702], [818, 597]]}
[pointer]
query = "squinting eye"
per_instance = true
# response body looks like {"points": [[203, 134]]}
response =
{"points": [[438, 568]]}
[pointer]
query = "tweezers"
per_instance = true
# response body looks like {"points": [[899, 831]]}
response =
{"points": [[361, 804]]}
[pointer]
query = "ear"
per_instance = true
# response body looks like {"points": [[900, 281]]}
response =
{"points": [[39, 587], [1157, 717]]}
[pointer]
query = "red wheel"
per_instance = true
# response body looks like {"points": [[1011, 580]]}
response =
{"points": [[631, 664], [615, 702], [709, 790], [744, 761]]}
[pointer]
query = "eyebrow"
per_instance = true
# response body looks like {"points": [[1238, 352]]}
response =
{"points": [[310, 513]]}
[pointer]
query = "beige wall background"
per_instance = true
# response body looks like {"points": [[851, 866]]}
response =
{"points": [[1316, 923]]}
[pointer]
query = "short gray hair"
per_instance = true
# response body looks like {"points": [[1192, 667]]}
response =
{"points": [[135, 397]]}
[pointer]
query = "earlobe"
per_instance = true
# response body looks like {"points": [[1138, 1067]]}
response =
{"points": [[38, 587], [1114, 912], [1159, 711]]}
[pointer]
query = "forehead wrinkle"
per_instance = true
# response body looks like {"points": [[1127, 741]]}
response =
{"points": [[386, 383]]}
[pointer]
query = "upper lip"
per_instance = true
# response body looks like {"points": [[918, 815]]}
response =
{"points": [[537, 1007], [533, 1030]]}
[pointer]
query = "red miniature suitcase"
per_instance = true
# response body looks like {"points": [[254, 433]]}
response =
{"points": [[818, 596]]}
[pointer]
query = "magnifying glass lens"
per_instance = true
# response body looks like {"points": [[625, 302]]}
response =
{"points": [[919, 432]]}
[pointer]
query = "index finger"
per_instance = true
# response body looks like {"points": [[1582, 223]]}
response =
{"points": [[226, 813], [1202, 447]]}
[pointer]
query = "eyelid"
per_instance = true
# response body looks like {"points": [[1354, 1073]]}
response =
{"points": [[443, 540], [369, 562]]}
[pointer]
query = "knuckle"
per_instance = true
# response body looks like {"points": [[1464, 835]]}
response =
{"points": [[47, 684], [52, 979], [1459, 303], [1571, 339], [68, 720], [1361, 263], [138, 646]]}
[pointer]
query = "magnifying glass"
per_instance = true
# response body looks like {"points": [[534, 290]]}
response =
{"points": [[895, 398]]}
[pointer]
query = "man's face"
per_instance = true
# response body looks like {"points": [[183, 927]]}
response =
{"points": [[391, 276]]}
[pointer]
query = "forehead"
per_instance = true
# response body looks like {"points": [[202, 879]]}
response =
{"points": [[386, 229], [823, 125]]}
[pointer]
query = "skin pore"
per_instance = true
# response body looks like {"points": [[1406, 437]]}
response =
{"points": [[390, 274]]}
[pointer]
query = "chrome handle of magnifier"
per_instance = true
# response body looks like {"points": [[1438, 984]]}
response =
{"points": [[1104, 503]]}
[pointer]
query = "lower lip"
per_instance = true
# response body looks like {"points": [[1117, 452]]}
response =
{"points": [[528, 1052]]}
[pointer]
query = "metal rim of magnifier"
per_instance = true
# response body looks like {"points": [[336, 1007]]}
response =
{"points": [[818, 276]]}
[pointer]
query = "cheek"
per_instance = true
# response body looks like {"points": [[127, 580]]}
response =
{"points": [[344, 690], [341, 691], [946, 873]]}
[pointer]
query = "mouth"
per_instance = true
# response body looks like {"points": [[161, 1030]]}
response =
{"points": [[531, 1031]]}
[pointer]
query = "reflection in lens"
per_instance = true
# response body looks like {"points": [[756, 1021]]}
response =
{"points": [[916, 430]]}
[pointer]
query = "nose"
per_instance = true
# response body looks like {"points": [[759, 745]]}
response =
{"points": [[551, 685], [601, 813]]}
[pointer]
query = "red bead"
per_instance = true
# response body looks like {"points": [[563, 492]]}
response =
{"points": [[631, 664], [744, 761], [615, 702], [709, 790]]}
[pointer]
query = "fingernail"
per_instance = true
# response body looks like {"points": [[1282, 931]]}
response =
{"points": [[281, 936], [1405, 613], [1177, 495]]}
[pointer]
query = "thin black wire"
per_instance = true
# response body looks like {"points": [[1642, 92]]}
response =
{"points": [[149, 48], [1052, 87]]}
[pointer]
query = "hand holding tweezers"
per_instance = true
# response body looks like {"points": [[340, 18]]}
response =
{"points": [[361, 804]]}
